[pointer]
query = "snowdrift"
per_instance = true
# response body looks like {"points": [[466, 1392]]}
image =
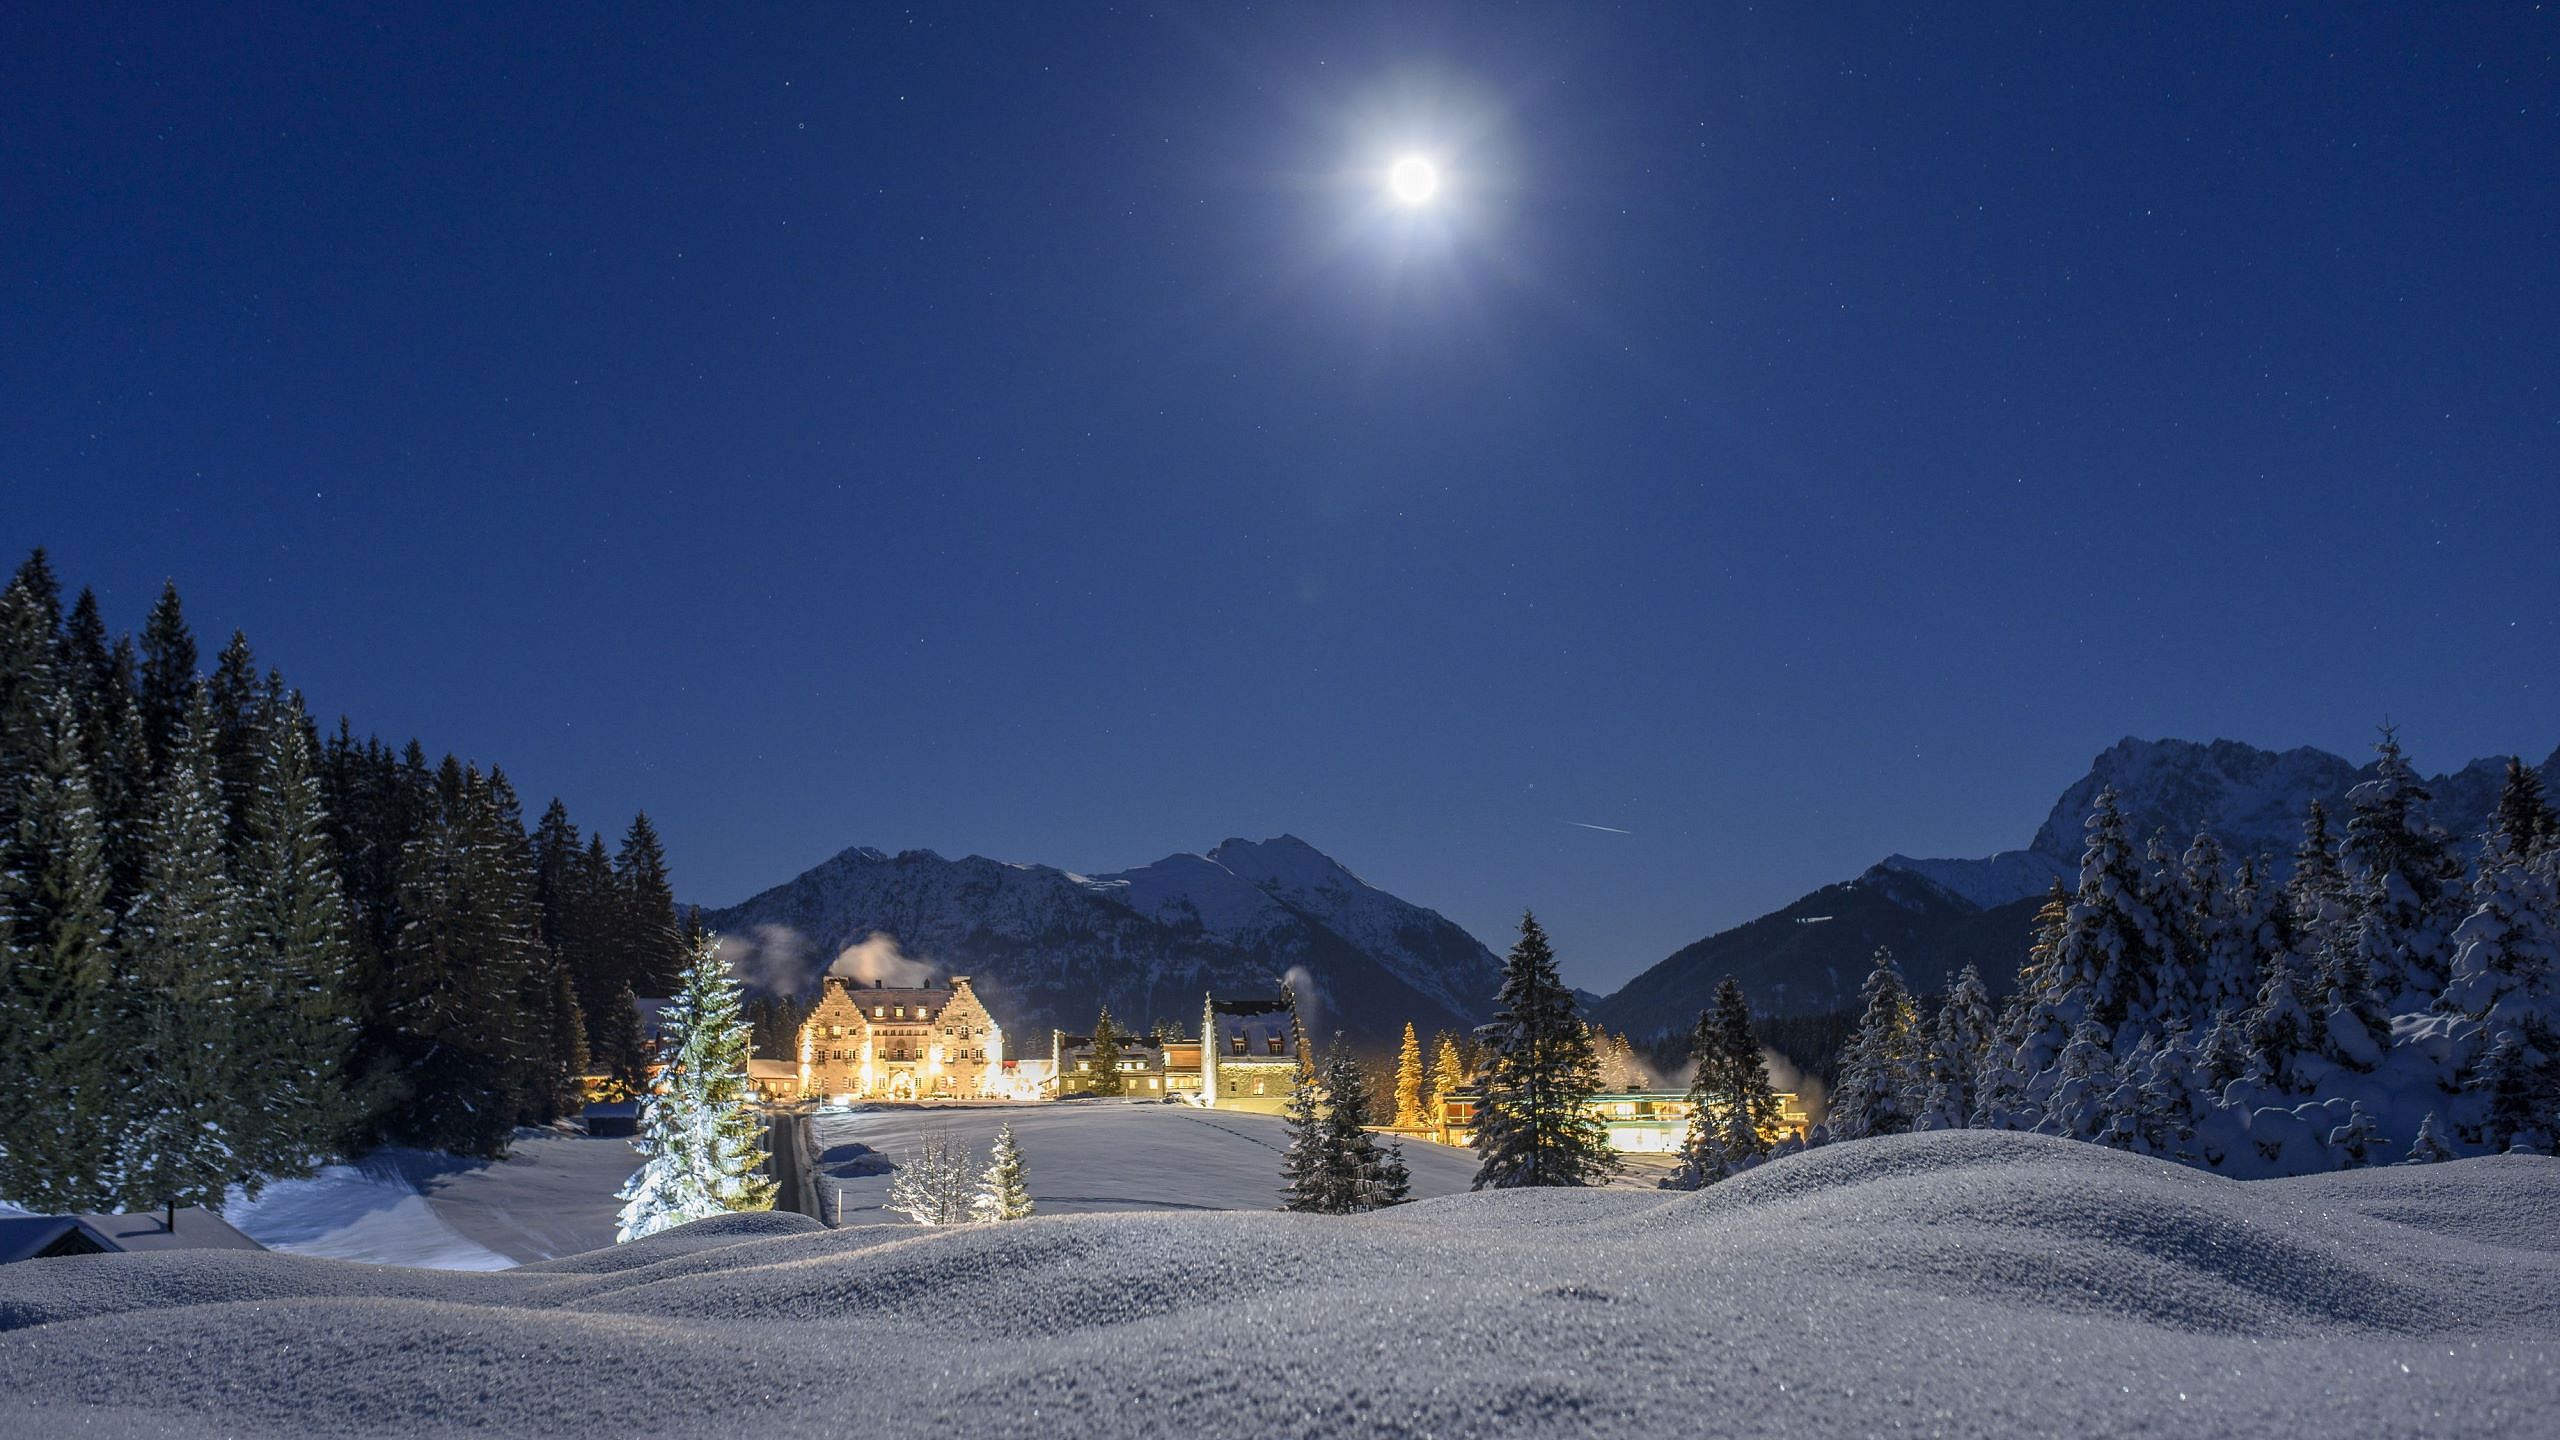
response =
{"points": [[1962, 1283]]}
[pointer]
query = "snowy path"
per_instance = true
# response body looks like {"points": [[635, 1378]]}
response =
{"points": [[552, 1196], [1089, 1156]]}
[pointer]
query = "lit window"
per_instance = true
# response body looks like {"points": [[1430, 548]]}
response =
{"points": [[879, 1011]]}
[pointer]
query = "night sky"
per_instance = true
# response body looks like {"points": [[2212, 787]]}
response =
{"points": [[1790, 435]]}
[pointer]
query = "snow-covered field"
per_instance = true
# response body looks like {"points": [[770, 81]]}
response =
{"points": [[552, 1196], [1087, 1156], [1955, 1283]]}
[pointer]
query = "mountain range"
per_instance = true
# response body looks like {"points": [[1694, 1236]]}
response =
{"points": [[1810, 957], [1048, 946]]}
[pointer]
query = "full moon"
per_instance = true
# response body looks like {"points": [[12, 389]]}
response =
{"points": [[1413, 179]]}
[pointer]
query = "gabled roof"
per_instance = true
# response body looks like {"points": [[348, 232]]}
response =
{"points": [[198, 1229], [24, 1237], [31, 1237]]}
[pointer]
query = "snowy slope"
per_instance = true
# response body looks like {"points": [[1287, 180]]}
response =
{"points": [[1957, 1283], [1089, 1156], [1048, 947], [551, 1196]]}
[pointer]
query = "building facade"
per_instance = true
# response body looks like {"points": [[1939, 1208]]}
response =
{"points": [[872, 1042], [1250, 1051]]}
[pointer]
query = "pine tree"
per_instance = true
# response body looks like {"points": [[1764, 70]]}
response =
{"points": [[1732, 1109], [2505, 977], [1306, 1170], [2031, 1032], [933, 1185], [616, 1047], [1107, 1079], [1003, 1192], [185, 947], [2353, 1143], [299, 1020], [2429, 1148], [1448, 1070], [652, 940], [168, 678], [2116, 945], [1369, 1176], [2082, 1101], [1409, 1083], [1956, 1053], [57, 963], [1880, 1088], [697, 1133], [2404, 881], [2523, 822], [2281, 1032], [1534, 1123]]}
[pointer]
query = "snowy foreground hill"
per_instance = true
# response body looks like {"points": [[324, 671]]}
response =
{"points": [[1956, 1283]]}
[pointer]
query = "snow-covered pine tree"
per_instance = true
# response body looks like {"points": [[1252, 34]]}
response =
{"points": [[2404, 880], [2078, 1107], [1105, 1077], [2354, 1031], [2523, 822], [2176, 982], [1880, 1087], [934, 1185], [2256, 930], [2354, 1142], [2282, 1033], [697, 1135], [2031, 1032], [1732, 1108], [2176, 1093], [1409, 1082], [2117, 941], [1534, 1125], [2429, 1148], [1004, 1191], [2316, 896], [1364, 1175], [184, 948], [1306, 1165], [2220, 965], [57, 963], [1957, 1049], [299, 1020], [2506, 979]]}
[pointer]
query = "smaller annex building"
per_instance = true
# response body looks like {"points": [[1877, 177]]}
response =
{"points": [[1640, 1122], [1245, 1059]]}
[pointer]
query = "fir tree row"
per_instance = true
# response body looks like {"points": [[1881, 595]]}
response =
{"points": [[229, 951]]}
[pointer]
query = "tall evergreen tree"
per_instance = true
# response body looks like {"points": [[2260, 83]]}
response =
{"points": [[1956, 1053], [1448, 1069], [1534, 1125], [1409, 1082], [299, 1018], [1107, 1079], [57, 963], [2523, 822], [168, 676], [2404, 881], [185, 946], [652, 937], [698, 1135], [1880, 1086], [1732, 1108]]}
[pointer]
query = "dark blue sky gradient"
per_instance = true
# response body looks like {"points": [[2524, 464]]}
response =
{"points": [[1804, 433]]}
